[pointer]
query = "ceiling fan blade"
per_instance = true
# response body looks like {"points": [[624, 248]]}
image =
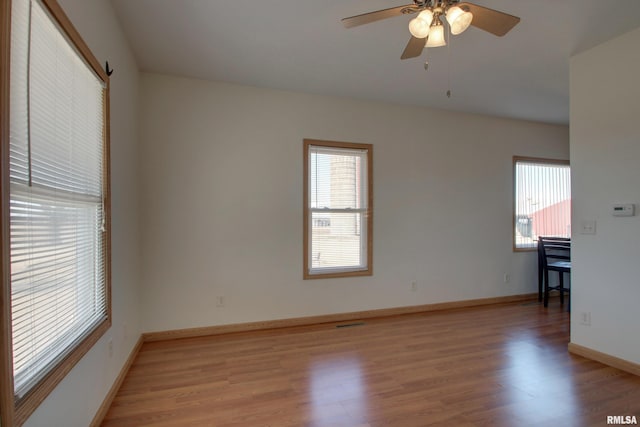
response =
{"points": [[366, 18], [414, 48], [492, 21]]}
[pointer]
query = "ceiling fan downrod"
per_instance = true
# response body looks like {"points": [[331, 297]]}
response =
{"points": [[433, 4]]}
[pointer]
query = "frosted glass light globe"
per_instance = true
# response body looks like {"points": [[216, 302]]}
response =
{"points": [[436, 36], [419, 26], [458, 19]]}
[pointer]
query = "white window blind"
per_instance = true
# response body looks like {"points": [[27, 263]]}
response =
{"points": [[542, 200], [58, 279], [337, 209]]}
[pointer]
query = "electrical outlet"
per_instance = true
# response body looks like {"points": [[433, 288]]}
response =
{"points": [[506, 278], [414, 286], [585, 318], [219, 301], [110, 347]]}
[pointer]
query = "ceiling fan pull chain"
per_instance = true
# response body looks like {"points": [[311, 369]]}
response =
{"points": [[449, 61]]}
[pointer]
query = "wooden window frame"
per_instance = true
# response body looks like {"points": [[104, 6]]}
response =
{"points": [[12, 412], [541, 161], [369, 209]]}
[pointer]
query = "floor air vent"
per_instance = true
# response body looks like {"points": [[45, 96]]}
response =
{"points": [[349, 325]]}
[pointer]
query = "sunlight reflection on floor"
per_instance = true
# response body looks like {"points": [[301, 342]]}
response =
{"points": [[532, 368], [333, 381]]}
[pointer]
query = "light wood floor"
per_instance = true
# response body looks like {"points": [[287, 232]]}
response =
{"points": [[504, 365]]}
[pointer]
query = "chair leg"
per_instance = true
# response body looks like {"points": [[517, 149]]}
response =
{"points": [[540, 293], [546, 288], [561, 278]]}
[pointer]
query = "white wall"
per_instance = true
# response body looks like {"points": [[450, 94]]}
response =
{"points": [[222, 203], [605, 152], [75, 401]]}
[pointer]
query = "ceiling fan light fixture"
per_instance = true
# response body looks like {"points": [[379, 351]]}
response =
{"points": [[427, 28], [458, 19], [436, 36], [419, 26]]}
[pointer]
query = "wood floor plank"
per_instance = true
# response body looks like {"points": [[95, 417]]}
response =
{"points": [[503, 365]]}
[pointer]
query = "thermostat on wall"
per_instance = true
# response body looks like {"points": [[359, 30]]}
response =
{"points": [[623, 210]]}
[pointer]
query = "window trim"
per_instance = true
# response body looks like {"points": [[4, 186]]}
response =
{"points": [[538, 160], [368, 211], [14, 412]]}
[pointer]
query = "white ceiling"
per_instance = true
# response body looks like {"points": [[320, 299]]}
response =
{"points": [[301, 45]]}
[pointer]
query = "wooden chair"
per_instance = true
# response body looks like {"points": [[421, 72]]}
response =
{"points": [[554, 254]]}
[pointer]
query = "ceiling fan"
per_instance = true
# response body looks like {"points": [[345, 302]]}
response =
{"points": [[427, 29]]}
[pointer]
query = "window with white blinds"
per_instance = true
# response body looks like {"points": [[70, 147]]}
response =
{"points": [[58, 195], [542, 202], [338, 209]]}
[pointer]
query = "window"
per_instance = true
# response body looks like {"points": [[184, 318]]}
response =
{"points": [[542, 201], [55, 204], [338, 209]]}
